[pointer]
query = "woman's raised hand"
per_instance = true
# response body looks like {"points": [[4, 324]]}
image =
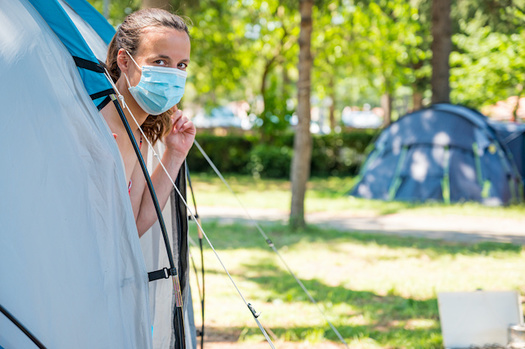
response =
{"points": [[182, 134]]}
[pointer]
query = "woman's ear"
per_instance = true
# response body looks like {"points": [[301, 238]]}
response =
{"points": [[123, 60]]}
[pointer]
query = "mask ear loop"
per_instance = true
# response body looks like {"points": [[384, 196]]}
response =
{"points": [[126, 75], [130, 56]]}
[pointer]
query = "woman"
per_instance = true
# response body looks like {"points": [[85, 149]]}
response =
{"points": [[147, 60]]}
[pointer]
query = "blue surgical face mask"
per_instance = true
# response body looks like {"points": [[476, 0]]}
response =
{"points": [[159, 88]]}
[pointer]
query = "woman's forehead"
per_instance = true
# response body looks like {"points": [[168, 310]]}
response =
{"points": [[164, 41]]}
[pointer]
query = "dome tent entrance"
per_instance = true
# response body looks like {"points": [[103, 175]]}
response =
{"points": [[72, 268], [445, 153]]}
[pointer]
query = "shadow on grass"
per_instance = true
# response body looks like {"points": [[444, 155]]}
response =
{"points": [[236, 236], [395, 338], [389, 320]]}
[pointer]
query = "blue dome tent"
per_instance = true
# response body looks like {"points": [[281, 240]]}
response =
{"points": [[445, 153], [74, 272], [513, 136]]}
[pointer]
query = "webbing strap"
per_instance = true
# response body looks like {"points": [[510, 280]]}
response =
{"points": [[485, 191], [89, 65], [102, 94], [104, 103], [396, 180], [163, 273], [477, 162]]}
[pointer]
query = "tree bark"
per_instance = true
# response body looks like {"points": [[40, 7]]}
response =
{"points": [[417, 100], [517, 106], [386, 105], [332, 105], [300, 171], [441, 48], [163, 4]]}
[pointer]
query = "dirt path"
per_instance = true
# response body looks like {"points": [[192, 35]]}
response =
{"points": [[449, 227]]}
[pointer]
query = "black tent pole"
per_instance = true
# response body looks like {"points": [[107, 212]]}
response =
{"points": [[165, 272], [21, 327]]}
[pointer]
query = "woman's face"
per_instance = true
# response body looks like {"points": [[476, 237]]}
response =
{"points": [[158, 46]]}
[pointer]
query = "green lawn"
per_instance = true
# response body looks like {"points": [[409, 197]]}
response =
{"points": [[324, 194], [379, 291]]}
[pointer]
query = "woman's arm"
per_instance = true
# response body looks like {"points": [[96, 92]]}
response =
{"points": [[178, 142]]}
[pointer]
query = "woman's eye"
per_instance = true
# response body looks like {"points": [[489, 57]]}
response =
{"points": [[182, 66], [160, 62]]}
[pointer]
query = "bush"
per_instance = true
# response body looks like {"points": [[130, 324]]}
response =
{"points": [[332, 155], [230, 154], [269, 161]]}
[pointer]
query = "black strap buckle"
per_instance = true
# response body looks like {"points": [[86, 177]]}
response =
{"points": [[163, 273]]}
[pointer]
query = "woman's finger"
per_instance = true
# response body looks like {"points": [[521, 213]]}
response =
{"points": [[181, 121], [176, 116]]}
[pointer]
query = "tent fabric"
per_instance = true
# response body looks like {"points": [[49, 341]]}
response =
{"points": [[162, 298], [71, 264], [97, 45], [513, 136], [93, 45], [95, 20], [62, 25], [446, 153]]}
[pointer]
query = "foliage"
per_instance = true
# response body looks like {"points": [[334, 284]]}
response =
{"points": [[247, 50], [489, 66], [118, 9], [231, 154], [270, 161]]}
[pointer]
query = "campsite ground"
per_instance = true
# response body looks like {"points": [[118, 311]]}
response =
{"points": [[448, 227], [377, 266]]}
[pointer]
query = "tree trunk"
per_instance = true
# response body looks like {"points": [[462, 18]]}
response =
{"points": [[441, 48], [386, 105], [417, 99], [517, 106], [163, 4], [300, 171], [332, 105], [286, 82]]}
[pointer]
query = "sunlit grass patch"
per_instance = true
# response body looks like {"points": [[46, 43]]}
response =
{"points": [[379, 291]]}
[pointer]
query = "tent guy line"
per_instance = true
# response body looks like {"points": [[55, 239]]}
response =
{"points": [[201, 290], [270, 243], [255, 315]]}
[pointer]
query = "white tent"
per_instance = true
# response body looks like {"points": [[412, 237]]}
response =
{"points": [[72, 269]]}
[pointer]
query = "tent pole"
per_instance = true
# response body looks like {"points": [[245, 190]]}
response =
{"points": [[106, 9]]}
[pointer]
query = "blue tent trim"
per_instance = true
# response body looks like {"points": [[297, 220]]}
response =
{"points": [[90, 70], [94, 19]]}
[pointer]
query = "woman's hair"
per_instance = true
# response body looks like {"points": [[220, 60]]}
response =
{"points": [[128, 37]]}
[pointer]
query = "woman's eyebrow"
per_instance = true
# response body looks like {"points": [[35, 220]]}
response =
{"points": [[163, 57]]}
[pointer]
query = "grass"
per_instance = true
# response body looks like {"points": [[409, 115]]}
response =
{"points": [[326, 194], [379, 291]]}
